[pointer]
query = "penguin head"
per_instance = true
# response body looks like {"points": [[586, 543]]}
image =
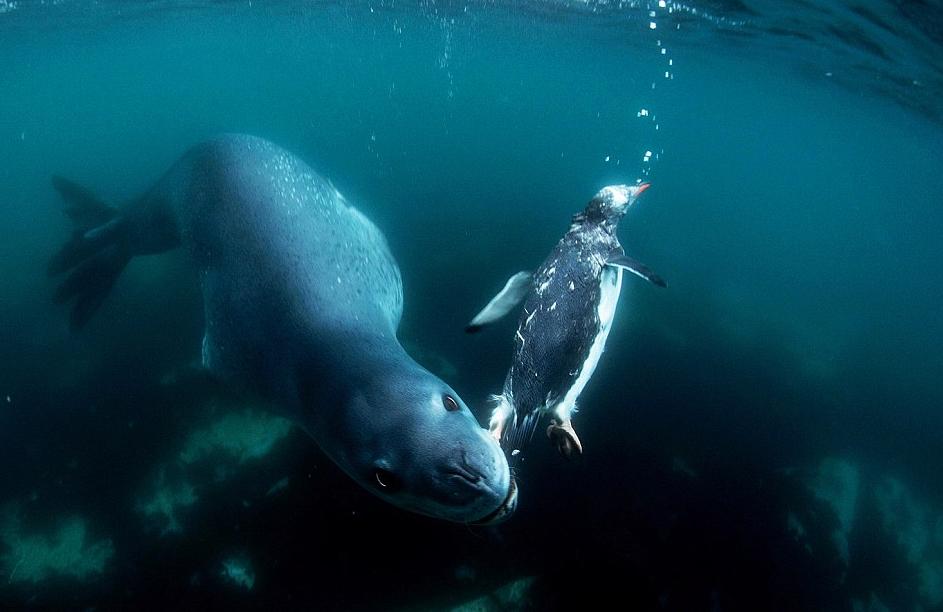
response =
{"points": [[612, 201]]}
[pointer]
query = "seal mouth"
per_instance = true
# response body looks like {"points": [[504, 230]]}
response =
{"points": [[504, 511]]}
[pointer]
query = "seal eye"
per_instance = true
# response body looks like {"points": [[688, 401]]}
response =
{"points": [[386, 480], [449, 402]]}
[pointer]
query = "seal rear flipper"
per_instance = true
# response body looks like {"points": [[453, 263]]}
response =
{"points": [[637, 268], [509, 297], [90, 282], [85, 210], [96, 254]]}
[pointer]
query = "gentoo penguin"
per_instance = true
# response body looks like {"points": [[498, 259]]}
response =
{"points": [[569, 303]]}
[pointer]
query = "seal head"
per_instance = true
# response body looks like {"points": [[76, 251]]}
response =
{"points": [[411, 440]]}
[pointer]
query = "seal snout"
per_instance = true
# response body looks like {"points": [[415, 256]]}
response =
{"points": [[476, 481], [466, 473], [504, 511], [489, 475]]}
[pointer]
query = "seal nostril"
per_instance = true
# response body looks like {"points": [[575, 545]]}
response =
{"points": [[468, 475], [471, 469], [387, 481]]}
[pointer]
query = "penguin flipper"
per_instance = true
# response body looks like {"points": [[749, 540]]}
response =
{"points": [[637, 268], [509, 297]]}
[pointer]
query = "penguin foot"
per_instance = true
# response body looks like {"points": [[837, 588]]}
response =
{"points": [[564, 438], [497, 429]]}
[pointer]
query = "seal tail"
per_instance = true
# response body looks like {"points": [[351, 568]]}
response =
{"points": [[94, 256]]}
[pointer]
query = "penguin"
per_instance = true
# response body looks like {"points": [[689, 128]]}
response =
{"points": [[569, 305]]}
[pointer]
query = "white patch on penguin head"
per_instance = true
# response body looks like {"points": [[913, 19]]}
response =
{"points": [[616, 196], [614, 199]]}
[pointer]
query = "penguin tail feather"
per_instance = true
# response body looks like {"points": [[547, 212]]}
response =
{"points": [[521, 430]]}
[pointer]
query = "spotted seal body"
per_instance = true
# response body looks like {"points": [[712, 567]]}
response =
{"points": [[569, 305], [302, 300]]}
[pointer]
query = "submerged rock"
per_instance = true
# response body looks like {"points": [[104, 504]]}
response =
{"points": [[873, 604], [904, 530], [903, 516], [836, 483], [241, 436], [223, 446], [918, 532], [238, 570], [166, 501], [511, 597], [63, 552]]}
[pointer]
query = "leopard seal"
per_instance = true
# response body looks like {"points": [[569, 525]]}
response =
{"points": [[302, 299]]}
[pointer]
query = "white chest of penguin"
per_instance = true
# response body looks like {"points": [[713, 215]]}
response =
{"points": [[610, 286]]}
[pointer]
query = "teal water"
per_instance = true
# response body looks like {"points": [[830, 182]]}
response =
{"points": [[788, 376]]}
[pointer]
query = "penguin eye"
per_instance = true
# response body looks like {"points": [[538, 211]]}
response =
{"points": [[449, 402], [386, 480]]}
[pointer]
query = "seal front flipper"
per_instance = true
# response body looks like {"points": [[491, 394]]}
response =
{"points": [[85, 210], [514, 291], [635, 267], [88, 215]]}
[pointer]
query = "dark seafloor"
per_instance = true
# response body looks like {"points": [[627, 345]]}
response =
{"points": [[764, 435]]}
